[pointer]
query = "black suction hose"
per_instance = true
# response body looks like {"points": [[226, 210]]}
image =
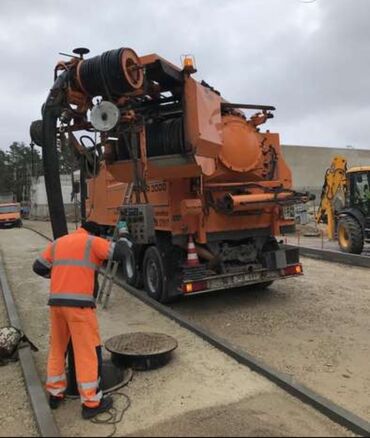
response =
{"points": [[51, 111]]}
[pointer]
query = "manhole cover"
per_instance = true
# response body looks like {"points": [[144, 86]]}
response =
{"points": [[141, 350]]}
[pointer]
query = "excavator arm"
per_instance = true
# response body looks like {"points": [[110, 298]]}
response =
{"points": [[335, 185]]}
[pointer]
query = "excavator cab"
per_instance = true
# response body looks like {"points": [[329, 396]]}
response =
{"points": [[359, 189]]}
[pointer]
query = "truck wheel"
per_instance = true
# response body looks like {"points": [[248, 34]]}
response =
{"points": [[265, 284], [350, 236], [155, 282], [130, 268]]}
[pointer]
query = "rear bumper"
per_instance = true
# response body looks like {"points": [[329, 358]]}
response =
{"points": [[8, 223], [236, 280]]}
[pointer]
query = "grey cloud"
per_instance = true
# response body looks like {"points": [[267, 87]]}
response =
{"points": [[310, 60]]}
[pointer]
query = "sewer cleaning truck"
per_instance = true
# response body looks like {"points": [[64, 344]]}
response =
{"points": [[203, 191]]}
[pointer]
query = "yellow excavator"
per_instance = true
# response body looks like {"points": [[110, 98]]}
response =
{"points": [[345, 205]]}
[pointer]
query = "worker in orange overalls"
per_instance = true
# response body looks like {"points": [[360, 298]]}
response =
{"points": [[72, 262]]}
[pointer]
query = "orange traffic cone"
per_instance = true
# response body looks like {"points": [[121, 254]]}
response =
{"points": [[192, 256]]}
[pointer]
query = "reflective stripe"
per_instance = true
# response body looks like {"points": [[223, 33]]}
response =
{"points": [[88, 248], [111, 250], [56, 392], [44, 262], [55, 379], [192, 256], [89, 385], [71, 262], [84, 263], [97, 397], [72, 296], [60, 298]]}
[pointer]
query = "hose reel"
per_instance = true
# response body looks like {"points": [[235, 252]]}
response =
{"points": [[111, 74]]}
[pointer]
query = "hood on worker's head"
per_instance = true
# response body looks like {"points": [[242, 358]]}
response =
{"points": [[92, 228]]}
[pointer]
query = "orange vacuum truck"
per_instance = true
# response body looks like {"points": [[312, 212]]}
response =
{"points": [[202, 190]]}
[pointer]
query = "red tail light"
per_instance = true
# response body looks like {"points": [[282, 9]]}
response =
{"points": [[194, 286], [293, 270]]}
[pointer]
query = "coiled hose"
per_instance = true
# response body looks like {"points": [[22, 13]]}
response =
{"points": [[110, 74], [166, 137]]}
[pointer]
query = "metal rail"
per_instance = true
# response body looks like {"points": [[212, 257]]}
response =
{"points": [[326, 407], [42, 413]]}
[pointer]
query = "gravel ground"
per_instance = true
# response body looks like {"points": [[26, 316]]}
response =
{"points": [[315, 328], [201, 392], [16, 418]]}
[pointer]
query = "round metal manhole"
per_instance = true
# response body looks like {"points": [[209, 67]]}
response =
{"points": [[141, 350]]}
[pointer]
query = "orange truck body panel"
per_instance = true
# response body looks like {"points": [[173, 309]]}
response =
{"points": [[225, 152]]}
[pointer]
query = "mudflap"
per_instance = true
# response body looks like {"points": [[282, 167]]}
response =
{"points": [[172, 259], [280, 258]]}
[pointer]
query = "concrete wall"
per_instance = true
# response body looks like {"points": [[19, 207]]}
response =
{"points": [[309, 163], [39, 204]]}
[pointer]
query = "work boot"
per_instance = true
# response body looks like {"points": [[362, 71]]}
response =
{"points": [[105, 404], [54, 402]]}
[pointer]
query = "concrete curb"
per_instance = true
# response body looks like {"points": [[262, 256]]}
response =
{"points": [[333, 256], [42, 413]]}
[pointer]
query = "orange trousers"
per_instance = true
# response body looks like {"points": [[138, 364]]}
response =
{"points": [[80, 325]]}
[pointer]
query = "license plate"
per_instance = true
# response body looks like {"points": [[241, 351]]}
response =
{"points": [[233, 280]]}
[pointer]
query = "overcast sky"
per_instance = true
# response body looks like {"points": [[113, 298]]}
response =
{"points": [[309, 59]]}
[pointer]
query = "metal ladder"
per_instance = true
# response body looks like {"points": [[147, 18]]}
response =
{"points": [[111, 269]]}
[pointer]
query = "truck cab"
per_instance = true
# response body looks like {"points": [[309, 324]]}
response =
{"points": [[10, 215]]}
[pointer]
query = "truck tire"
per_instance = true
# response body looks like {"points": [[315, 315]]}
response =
{"points": [[350, 235], [130, 268], [265, 284], [155, 280]]}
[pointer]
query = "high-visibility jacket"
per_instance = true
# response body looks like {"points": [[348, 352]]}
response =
{"points": [[73, 260]]}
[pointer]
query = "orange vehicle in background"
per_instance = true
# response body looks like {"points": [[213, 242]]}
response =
{"points": [[10, 215], [203, 191]]}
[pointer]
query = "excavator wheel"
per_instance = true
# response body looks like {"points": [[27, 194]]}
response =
{"points": [[350, 236]]}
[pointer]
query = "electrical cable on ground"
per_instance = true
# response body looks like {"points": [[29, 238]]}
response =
{"points": [[113, 417]]}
